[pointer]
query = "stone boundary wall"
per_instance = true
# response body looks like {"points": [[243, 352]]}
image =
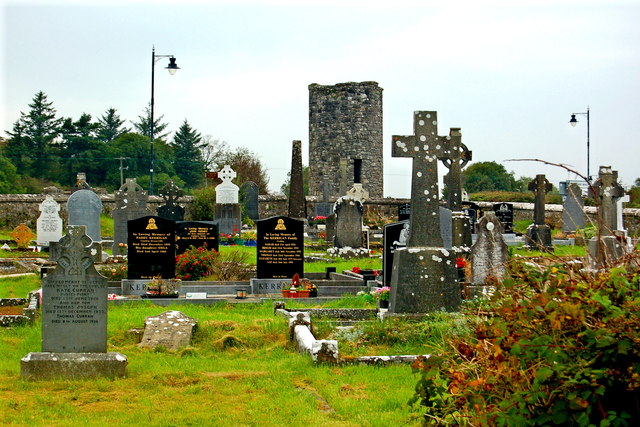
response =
{"points": [[23, 208]]}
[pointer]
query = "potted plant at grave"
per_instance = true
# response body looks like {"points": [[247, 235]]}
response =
{"points": [[313, 289], [382, 296], [250, 238], [162, 288]]}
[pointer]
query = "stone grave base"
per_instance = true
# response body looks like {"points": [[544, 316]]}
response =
{"points": [[600, 256], [49, 366], [538, 237], [424, 280]]}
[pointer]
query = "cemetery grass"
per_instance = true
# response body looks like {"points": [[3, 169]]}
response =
{"points": [[240, 370], [18, 287]]}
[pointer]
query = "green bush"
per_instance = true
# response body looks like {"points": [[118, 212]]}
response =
{"points": [[512, 196], [556, 347], [204, 202]]}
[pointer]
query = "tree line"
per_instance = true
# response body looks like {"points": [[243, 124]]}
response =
{"points": [[46, 150]]}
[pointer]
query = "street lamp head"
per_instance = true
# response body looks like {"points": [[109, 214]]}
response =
{"points": [[573, 120], [172, 67]]}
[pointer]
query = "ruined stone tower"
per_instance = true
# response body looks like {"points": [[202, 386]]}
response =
{"points": [[345, 138]]}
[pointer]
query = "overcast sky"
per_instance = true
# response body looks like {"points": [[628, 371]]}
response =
{"points": [[509, 73]]}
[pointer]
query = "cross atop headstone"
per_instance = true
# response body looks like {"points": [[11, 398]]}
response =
{"points": [[171, 193], [73, 252], [22, 235], [81, 182], [459, 157], [357, 192], [607, 193], [425, 147], [227, 174], [131, 194], [540, 186]]}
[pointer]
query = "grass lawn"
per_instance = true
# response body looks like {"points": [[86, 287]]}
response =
{"points": [[240, 370]]}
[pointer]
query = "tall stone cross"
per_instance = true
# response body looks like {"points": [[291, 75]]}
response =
{"points": [[171, 193], [540, 186], [459, 157], [425, 147], [607, 192], [131, 194]]}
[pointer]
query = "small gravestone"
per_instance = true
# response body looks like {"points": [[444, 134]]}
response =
{"points": [[197, 234], [504, 213], [151, 248], [489, 252], [573, 217], [171, 209], [394, 236], [22, 235], [171, 330], [348, 228], [324, 208], [250, 194], [539, 234], [404, 211], [280, 251], [131, 203], [49, 223], [472, 210], [297, 202], [84, 208], [227, 212], [74, 318], [330, 228], [424, 276]]}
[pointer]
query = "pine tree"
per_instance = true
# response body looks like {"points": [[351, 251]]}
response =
{"points": [[142, 125], [110, 126], [189, 163]]}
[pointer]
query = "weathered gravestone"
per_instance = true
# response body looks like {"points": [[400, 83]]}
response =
{"points": [[489, 252], [538, 236], [280, 251], [573, 217], [74, 318], [424, 276], [324, 208], [250, 196], [131, 203], [151, 244], [297, 202], [348, 225], [504, 213], [171, 330], [171, 209], [84, 208], [227, 212], [49, 223], [330, 229], [197, 234], [22, 235], [607, 192]]}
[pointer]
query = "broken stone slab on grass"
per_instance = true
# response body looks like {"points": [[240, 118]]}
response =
{"points": [[171, 330], [49, 366]]}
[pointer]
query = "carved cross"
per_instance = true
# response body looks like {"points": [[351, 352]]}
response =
{"points": [[227, 174], [540, 186], [425, 147], [130, 194], [460, 156], [73, 255], [171, 193], [608, 191]]}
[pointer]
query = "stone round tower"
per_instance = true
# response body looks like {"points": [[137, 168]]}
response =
{"points": [[345, 138]]}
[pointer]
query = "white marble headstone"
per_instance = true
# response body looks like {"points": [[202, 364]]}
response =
{"points": [[49, 223], [227, 192]]}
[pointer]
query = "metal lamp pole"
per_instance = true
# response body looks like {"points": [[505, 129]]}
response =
{"points": [[172, 68], [573, 123]]}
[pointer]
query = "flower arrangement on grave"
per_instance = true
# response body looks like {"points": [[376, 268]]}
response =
{"points": [[163, 287], [381, 294], [298, 288], [196, 263], [250, 237], [319, 219], [122, 248], [348, 252], [115, 269], [463, 267]]}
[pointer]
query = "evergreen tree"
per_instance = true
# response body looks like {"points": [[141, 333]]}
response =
{"points": [[189, 163], [110, 126], [81, 150], [36, 133], [142, 125]]}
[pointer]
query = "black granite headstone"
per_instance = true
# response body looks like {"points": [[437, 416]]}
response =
{"points": [[393, 236], [280, 248], [196, 233], [249, 193], [404, 211], [504, 213], [472, 210], [151, 248]]}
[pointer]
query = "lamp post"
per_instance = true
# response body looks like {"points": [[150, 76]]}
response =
{"points": [[172, 68], [573, 123]]}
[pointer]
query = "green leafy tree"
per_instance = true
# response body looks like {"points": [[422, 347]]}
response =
{"points": [[34, 135], [143, 128], [212, 151], [284, 188], [248, 167], [110, 126], [488, 176], [189, 163]]}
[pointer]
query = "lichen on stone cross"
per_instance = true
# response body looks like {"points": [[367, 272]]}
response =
{"points": [[540, 186], [74, 256], [607, 192], [459, 157], [425, 147], [226, 174], [22, 235]]}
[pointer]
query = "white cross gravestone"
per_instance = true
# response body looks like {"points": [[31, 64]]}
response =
{"points": [[227, 192], [424, 276], [49, 223]]}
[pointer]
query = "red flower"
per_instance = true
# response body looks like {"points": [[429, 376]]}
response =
{"points": [[356, 270], [461, 262]]}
